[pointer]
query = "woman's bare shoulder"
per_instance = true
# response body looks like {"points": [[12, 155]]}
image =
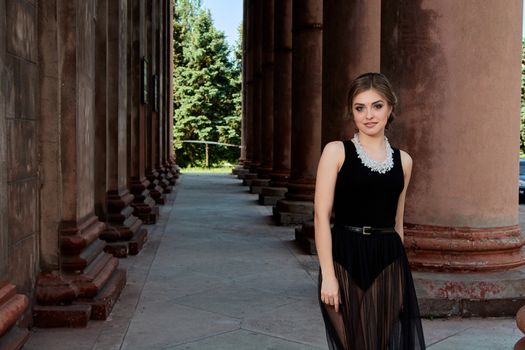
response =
{"points": [[335, 147], [334, 152], [406, 161]]}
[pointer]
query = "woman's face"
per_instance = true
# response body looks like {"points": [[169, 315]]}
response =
{"points": [[371, 111]]}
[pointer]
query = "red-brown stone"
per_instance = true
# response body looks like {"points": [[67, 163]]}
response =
{"points": [[520, 319]]}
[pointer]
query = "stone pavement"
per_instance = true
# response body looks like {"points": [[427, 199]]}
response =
{"points": [[218, 274]]}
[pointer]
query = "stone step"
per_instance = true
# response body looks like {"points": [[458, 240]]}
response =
{"points": [[14, 339], [104, 301], [11, 311]]}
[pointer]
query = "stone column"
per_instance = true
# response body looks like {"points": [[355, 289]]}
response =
{"points": [[78, 281], [124, 232], [143, 204], [169, 39], [164, 99], [351, 47], [306, 112], [458, 81], [282, 105], [256, 108], [242, 159], [249, 90], [152, 123], [263, 172], [14, 306]]}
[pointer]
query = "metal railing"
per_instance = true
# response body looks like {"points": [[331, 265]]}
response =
{"points": [[207, 143]]}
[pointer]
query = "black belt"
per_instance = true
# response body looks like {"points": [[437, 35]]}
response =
{"points": [[367, 230]]}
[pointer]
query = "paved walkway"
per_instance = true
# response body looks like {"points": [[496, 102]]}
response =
{"points": [[217, 274]]}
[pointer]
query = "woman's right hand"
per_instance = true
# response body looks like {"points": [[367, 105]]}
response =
{"points": [[330, 292]]}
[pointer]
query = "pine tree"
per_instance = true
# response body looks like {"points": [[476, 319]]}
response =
{"points": [[206, 87]]}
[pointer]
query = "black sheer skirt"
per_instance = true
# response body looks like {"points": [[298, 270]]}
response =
{"points": [[379, 308]]}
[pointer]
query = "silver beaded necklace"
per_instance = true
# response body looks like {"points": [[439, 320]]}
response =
{"points": [[374, 165]]}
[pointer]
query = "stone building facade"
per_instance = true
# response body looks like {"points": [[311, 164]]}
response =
{"points": [[456, 67], [85, 153]]}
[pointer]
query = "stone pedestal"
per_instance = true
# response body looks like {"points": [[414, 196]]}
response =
{"points": [[461, 213], [287, 212], [13, 309], [124, 234], [305, 237], [88, 285], [257, 185], [144, 206], [270, 195], [306, 113]]}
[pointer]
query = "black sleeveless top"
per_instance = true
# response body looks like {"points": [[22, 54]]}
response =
{"points": [[364, 197]]}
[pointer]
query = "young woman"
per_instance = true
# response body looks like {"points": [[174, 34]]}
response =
{"points": [[366, 291]]}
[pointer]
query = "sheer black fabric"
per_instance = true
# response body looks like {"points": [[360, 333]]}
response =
{"points": [[379, 307]]}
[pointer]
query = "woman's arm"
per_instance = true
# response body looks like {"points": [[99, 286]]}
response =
{"points": [[406, 162], [331, 160]]}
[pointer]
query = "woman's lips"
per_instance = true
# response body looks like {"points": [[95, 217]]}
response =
{"points": [[370, 125]]}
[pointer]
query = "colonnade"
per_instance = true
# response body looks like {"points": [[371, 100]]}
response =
{"points": [[87, 95], [456, 69]]}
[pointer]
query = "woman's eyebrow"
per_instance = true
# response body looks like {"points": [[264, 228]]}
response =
{"points": [[362, 104]]}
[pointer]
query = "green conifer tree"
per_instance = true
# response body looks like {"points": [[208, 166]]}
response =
{"points": [[205, 87]]}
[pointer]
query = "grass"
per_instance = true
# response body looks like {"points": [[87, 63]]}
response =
{"points": [[218, 170]]}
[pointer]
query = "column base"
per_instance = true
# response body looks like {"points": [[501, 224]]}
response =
{"points": [[280, 178], [257, 185], [88, 283], [239, 169], [305, 237], [124, 230], [77, 313], [144, 207], [132, 246], [301, 191], [287, 212], [156, 191], [470, 295], [464, 249], [13, 308], [246, 176], [264, 172], [270, 195]]}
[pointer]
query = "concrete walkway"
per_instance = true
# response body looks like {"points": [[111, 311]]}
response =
{"points": [[217, 274]]}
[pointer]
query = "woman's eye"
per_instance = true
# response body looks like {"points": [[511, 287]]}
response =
{"points": [[379, 106], [359, 109]]}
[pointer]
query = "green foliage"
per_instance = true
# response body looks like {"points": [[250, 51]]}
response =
{"points": [[207, 84], [522, 114]]}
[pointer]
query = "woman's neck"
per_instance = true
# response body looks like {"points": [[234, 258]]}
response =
{"points": [[372, 142]]}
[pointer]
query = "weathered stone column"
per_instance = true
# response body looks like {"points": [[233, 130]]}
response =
{"points": [[282, 105], [250, 93], [152, 122], [351, 47], [124, 232], [166, 98], [306, 112], [458, 81], [242, 159], [14, 306], [158, 98], [256, 108], [78, 280], [171, 153], [263, 172], [143, 204]]}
